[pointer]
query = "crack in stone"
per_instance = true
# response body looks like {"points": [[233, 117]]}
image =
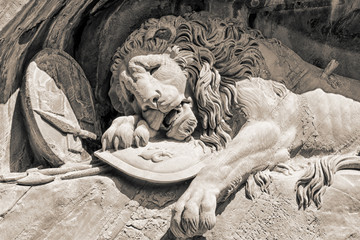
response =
{"points": [[11, 208], [346, 194]]}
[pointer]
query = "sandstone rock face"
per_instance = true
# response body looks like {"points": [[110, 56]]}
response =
{"points": [[276, 216], [318, 33], [90, 31], [21, 39], [112, 207], [9, 10]]}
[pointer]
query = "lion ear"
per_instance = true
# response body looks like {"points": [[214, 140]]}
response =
{"points": [[163, 33], [183, 57]]}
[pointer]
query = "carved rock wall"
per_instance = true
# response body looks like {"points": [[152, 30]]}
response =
{"points": [[17, 38], [91, 30], [318, 31], [109, 207], [112, 207], [35, 24]]}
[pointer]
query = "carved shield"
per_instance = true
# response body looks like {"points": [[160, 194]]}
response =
{"points": [[162, 161], [56, 95]]}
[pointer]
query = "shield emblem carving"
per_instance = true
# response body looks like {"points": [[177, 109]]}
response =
{"points": [[58, 105]]}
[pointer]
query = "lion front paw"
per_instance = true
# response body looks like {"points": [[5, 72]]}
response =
{"points": [[122, 133], [194, 212], [119, 134]]}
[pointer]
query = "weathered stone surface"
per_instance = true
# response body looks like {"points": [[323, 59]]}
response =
{"points": [[55, 86], [318, 34], [111, 207], [276, 216], [10, 194], [75, 208], [9, 10], [21, 39], [15, 154]]}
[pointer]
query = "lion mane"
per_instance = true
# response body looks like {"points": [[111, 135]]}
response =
{"points": [[213, 53]]}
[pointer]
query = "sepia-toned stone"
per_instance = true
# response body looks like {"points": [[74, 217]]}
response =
{"points": [[56, 88], [113, 207], [179, 161], [110, 207], [188, 77]]}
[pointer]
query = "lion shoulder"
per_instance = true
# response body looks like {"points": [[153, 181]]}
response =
{"points": [[258, 98]]}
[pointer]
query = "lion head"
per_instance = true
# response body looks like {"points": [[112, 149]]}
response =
{"points": [[177, 73]]}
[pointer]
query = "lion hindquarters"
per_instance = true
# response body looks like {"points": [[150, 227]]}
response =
{"points": [[320, 175]]}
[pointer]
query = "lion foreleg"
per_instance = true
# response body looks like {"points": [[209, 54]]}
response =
{"points": [[255, 148]]}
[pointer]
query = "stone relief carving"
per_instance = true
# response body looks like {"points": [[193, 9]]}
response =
{"points": [[58, 108], [59, 112], [200, 97], [190, 79]]}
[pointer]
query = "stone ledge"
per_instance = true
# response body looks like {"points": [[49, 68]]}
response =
{"points": [[111, 207]]}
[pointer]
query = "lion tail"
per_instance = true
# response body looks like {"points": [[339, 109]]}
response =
{"points": [[320, 175]]}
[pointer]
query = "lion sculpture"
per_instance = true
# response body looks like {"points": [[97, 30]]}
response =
{"points": [[203, 78]]}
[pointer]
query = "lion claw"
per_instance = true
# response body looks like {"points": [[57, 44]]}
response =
{"points": [[142, 134], [123, 134]]}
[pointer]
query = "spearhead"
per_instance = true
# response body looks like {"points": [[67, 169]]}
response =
{"points": [[64, 125]]}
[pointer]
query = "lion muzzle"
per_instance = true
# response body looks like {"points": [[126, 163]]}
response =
{"points": [[184, 124]]}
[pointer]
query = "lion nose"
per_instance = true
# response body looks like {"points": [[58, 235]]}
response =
{"points": [[152, 100]]}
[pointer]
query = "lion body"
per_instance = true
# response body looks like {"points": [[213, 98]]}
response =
{"points": [[321, 122], [336, 121], [172, 69]]}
